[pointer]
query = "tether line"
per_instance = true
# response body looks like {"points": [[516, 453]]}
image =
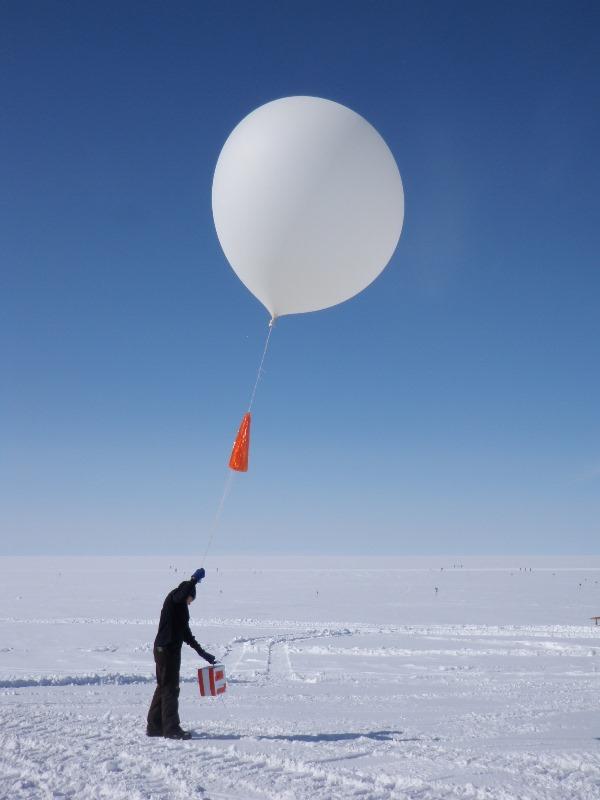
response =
{"points": [[219, 511], [231, 473], [262, 361]]}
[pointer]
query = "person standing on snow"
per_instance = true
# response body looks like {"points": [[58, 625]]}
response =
{"points": [[173, 630]]}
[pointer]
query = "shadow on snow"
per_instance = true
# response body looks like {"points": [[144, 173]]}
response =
{"points": [[377, 736]]}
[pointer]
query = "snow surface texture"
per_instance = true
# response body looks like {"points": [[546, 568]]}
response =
{"points": [[348, 678]]}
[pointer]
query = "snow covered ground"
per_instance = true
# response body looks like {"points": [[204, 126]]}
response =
{"points": [[348, 678]]}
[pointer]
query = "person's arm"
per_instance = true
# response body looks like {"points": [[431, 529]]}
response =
{"points": [[188, 638]]}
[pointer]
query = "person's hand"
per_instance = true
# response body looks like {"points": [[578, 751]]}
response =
{"points": [[198, 575]]}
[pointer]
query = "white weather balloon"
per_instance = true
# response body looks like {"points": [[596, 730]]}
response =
{"points": [[307, 202]]}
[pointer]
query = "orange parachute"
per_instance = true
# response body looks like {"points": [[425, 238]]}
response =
{"points": [[239, 453]]}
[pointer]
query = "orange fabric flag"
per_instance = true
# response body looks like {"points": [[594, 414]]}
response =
{"points": [[239, 454]]}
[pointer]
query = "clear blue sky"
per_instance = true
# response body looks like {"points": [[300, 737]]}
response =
{"points": [[453, 407]]}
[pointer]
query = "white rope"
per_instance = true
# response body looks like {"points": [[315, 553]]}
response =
{"points": [[262, 361], [217, 517], [231, 473]]}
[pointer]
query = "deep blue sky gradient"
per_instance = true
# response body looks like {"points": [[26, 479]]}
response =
{"points": [[452, 407]]}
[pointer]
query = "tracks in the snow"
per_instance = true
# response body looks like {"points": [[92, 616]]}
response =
{"points": [[56, 755], [266, 657], [53, 755]]}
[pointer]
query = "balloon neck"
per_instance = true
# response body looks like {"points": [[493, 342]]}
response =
{"points": [[273, 321]]}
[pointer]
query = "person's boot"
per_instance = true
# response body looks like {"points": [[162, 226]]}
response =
{"points": [[153, 731], [178, 734]]}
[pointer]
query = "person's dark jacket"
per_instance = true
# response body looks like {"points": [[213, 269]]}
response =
{"points": [[174, 625]]}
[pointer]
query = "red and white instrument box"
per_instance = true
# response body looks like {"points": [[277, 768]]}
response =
{"points": [[212, 680]]}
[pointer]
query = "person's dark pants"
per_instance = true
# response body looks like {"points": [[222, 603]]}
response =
{"points": [[164, 708]]}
